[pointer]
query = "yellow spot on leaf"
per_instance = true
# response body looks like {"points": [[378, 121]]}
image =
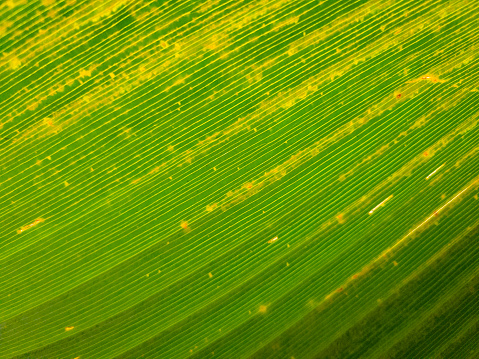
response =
{"points": [[10, 4], [32, 106], [52, 13], [14, 63], [154, 170], [69, 328], [85, 73], [28, 226], [211, 207], [272, 240]]}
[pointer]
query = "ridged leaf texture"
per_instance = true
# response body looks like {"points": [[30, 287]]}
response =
{"points": [[239, 179]]}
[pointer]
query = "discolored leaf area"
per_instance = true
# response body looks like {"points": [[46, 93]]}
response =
{"points": [[239, 179]]}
